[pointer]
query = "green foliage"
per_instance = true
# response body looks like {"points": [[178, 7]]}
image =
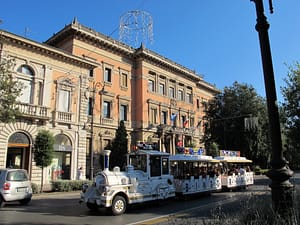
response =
{"points": [[119, 147], [10, 90], [35, 188], [291, 108], [44, 144], [69, 185], [225, 123], [213, 149]]}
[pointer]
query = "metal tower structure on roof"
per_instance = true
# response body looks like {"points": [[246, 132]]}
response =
{"points": [[136, 28]]}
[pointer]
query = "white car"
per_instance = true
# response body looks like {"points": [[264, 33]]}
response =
{"points": [[14, 186]]}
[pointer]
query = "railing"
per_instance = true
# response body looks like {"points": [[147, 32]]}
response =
{"points": [[38, 111], [108, 121], [65, 117]]}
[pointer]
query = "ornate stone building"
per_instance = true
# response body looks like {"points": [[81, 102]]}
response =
{"points": [[84, 83], [53, 98]]}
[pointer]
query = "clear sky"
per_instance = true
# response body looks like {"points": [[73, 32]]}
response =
{"points": [[216, 38]]}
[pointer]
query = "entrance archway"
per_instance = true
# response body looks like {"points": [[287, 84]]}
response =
{"points": [[18, 151], [62, 157]]}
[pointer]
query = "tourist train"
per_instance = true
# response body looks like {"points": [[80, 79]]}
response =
{"points": [[153, 175]]}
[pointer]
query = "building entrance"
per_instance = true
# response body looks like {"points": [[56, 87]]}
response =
{"points": [[18, 152]]}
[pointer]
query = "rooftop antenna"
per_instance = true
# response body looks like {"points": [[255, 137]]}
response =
{"points": [[136, 28], [26, 32]]}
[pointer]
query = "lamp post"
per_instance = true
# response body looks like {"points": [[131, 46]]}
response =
{"points": [[95, 87], [282, 189]]}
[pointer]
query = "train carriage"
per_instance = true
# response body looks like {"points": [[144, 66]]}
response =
{"points": [[235, 172], [195, 174]]}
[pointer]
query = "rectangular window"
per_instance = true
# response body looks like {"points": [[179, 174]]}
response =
{"points": [[91, 73], [106, 109], [165, 166], [124, 80], [153, 116], [123, 112], [26, 92], [192, 121], [63, 101], [180, 95], [171, 92], [151, 85], [198, 103], [90, 107], [162, 89], [184, 121], [41, 93], [107, 75], [189, 98], [163, 119], [155, 166]]}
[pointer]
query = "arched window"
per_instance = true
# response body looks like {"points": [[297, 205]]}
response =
{"points": [[25, 69], [26, 76]]}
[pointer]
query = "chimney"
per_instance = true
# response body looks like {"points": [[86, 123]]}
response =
{"points": [[106, 159]]}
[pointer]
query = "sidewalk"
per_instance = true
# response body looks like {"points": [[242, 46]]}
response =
{"points": [[56, 194]]}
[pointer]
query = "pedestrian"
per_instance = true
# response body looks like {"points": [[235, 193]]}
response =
{"points": [[79, 173]]}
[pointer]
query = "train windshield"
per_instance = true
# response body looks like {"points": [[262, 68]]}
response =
{"points": [[139, 162]]}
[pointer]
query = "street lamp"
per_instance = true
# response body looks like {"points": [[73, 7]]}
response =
{"points": [[282, 189], [95, 87]]}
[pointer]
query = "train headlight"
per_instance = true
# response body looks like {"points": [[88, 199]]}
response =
{"points": [[106, 189]]}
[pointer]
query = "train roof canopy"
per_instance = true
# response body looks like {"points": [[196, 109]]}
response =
{"points": [[186, 157], [149, 152], [233, 159]]}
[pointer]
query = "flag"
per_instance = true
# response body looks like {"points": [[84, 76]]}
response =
{"points": [[185, 123], [173, 116]]}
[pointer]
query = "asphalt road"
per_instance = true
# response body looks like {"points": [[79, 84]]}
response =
{"points": [[64, 208]]}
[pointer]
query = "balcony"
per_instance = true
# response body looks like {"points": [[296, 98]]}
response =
{"points": [[34, 111], [109, 122], [63, 117]]}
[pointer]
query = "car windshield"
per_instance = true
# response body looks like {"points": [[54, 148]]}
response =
{"points": [[17, 176]]}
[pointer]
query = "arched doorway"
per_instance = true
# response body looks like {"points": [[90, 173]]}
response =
{"points": [[61, 163], [18, 151]]}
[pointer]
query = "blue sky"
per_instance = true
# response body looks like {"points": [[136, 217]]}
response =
{"points": [[216, 38]]}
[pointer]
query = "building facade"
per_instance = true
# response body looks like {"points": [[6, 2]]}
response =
{"points": [[80, 84]]}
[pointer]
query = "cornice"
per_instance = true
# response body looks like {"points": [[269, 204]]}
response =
{"points": [[46, 50], [81, 32]]}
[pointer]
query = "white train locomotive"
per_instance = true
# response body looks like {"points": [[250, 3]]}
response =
{"points": [[147, 178], [152, 175]]}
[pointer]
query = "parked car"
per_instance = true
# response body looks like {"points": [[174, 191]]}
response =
{"points": [[14, 186]]}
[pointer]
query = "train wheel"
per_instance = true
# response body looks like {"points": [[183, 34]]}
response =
{"points": [[118, 206]]}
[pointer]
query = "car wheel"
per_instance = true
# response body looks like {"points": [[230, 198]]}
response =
{"points": [[25, 201], [2, 203], [118, 206], [92, 206]]}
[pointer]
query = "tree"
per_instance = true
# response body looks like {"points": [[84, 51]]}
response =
{"points": [[10, 90], [119, 147], [213, 149], [291, 106], [43, 153], [236, 120]]}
